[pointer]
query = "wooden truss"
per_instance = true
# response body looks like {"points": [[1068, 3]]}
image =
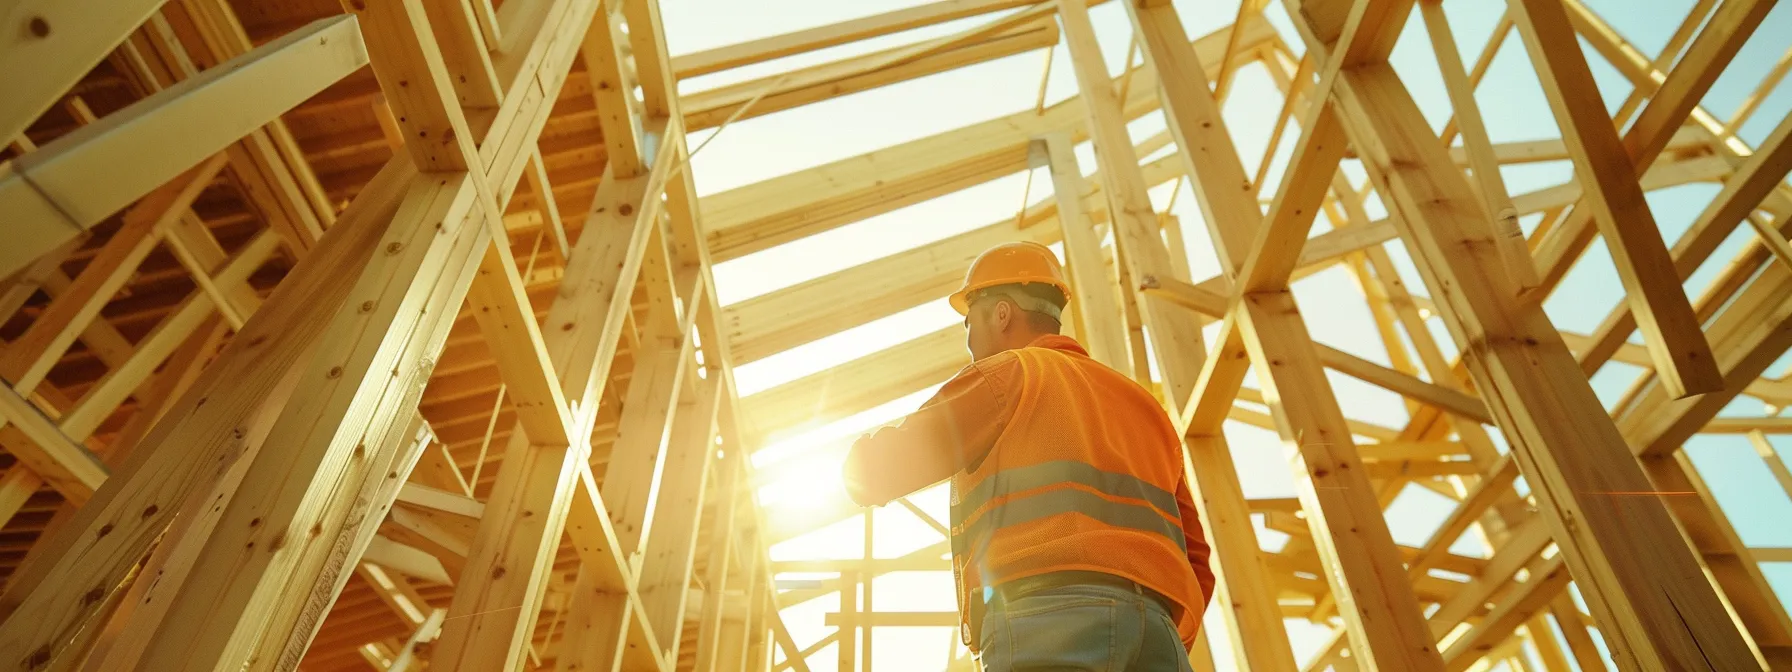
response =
{"points": [[386, 332]]}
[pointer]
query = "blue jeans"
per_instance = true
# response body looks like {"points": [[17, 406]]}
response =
{"points": [[1091, 628]]}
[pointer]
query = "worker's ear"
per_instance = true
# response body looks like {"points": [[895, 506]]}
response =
{"points": [[1004, 314]]}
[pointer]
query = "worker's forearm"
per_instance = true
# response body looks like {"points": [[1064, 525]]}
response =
{"points": [[887, 465], [955, 428]]}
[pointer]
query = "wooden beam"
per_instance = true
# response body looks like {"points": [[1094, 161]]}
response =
{"points": [[858, 385], [611, 91], [428, 498], [1743, 192], [1725, 557], [1482, 155], [267, 163], [303, 602], [410, 291], [711, 108], [250, 368], [29, 358], [1531, 598], [82, 419], [406, 560], [770, 212], [48, 46], [584, 328], [669, 554], [722, 546], [1676, 98], [57, 459], [1750, 335], [1520, 362], [415, 80], [764, 325], [1683, 358], [53, 194], [803, 41], [466, 51], [1091, 287], [662, 361], [1213, 304], [507, 321]]}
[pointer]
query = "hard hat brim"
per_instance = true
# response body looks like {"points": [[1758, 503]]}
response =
{"points": [[961, 300]]}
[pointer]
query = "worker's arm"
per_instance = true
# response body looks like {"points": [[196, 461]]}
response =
{"points": [[1197, 542], [955, 428]]}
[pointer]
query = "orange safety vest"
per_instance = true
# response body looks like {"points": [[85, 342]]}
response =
{"points": [[1085, 476]]}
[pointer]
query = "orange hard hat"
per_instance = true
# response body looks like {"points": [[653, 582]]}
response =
{"points": [[1010, 264]]}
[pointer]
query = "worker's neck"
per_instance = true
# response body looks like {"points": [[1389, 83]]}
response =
{"points": [[1021, 338]]}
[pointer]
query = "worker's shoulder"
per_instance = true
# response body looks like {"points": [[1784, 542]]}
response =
{"points": [[1002, 366]]}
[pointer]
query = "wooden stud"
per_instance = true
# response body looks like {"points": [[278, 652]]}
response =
{"points": [[612, 92], [1519, 348], [1743, 191], [1083, 254], [1682, 357], [1461, 91], [160, 482], [583, 329], [416, 82], [466, 51], [425, 234], [1677, 98]]}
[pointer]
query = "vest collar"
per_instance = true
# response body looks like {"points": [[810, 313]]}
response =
{"points": [[1059, 342]]}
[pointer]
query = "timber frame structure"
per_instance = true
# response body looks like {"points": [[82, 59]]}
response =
{"points": [[384, 332]]}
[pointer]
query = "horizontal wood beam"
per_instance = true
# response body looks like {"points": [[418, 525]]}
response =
{"points": [[59, 460], [803, 41], [70, 185], [758, 97], [1213, 305], [770, 323], [46, 46], [863, 383], [775, 211]]}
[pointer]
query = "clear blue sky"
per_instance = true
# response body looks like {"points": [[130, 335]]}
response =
{"points": [[1510, 98]]}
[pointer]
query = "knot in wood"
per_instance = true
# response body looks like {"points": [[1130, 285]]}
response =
{"points": [[38, 658]]}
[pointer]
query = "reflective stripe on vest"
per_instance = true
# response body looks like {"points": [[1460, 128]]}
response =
{"points": [[1024, 508]]}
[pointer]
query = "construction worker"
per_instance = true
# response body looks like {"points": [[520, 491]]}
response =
{"points": [[1075, 543]]}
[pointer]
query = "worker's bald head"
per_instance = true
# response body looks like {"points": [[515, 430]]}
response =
{"points": [[1006, 317]]}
